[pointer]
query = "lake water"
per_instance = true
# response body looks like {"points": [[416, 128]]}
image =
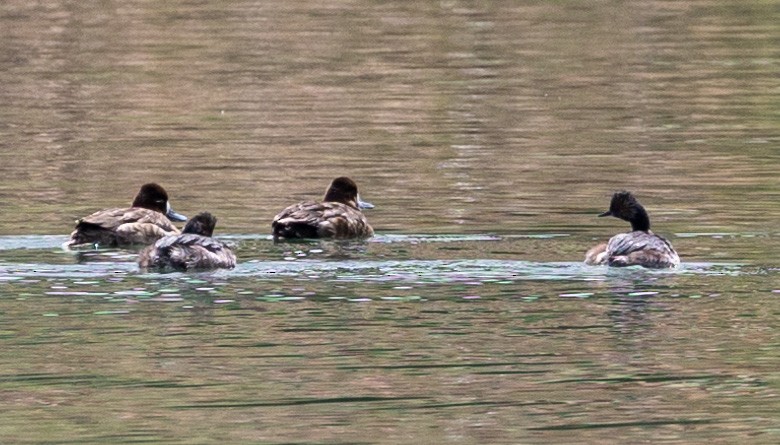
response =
{"points": [[489, 135]]}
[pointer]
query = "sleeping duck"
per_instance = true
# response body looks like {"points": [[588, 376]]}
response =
{"points": [[640, 246], [337, 216], [193, 249], [145, 221]]}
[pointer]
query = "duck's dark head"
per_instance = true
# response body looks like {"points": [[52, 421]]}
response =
{"points": [[626, 207], [153, 197], [201, 224], [345, 191]]}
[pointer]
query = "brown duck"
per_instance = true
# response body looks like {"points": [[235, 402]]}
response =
{"points": [[338, 216], [146, 221], [194, 249]]}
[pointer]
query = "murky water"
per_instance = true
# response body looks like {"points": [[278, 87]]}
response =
{"points": [[488, 134]]}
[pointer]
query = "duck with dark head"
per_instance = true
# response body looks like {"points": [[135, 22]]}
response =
{"points": [[640, 247], [338, 215], [145, 221], [194, 249]]}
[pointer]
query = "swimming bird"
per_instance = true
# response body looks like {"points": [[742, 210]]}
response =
{"points": [[193, 249], [640, 246], [337, 216], [147, 220]]}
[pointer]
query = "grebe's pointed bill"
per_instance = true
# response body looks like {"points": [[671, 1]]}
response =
{"points": [[607, 213], [172, 215], [362, 205]]}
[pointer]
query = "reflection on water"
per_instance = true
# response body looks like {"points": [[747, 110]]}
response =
{"points": [[453, 116], [488, 134], [298, 343]]}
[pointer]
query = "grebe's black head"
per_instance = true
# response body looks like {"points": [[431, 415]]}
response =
{"points": [[626, 207]]}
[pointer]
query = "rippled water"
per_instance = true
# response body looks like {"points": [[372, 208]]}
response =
{"points": [[488, 134]]}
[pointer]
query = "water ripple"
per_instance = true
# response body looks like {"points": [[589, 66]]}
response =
{"points": [[387, 271]]}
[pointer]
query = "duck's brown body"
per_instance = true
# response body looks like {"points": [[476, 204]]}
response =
{"points": [[121, 227]]}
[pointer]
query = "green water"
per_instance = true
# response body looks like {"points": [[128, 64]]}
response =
{"points": [[335, 342], [488, 134]]}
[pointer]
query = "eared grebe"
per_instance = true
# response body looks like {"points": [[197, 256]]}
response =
{"points": [[640, 246]]}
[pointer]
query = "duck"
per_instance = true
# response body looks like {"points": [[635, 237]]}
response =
{"points": [[193, 249], [640, 246], [146, 220], [339, 215]]}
